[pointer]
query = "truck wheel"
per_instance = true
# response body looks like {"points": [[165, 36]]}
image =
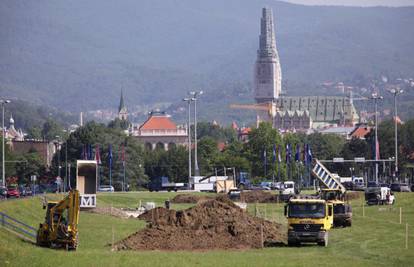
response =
{"points": [[292, 243], [324, 242]]}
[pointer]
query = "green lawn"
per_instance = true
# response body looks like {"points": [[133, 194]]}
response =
{"points": [[374, 240]]}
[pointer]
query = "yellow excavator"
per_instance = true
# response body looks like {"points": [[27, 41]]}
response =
{"points": [[60, 229]]}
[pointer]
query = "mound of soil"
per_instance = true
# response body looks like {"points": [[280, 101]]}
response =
{"points": [[211, 224], [354, 195], [188, 198], [109, 211], [259, 196]]}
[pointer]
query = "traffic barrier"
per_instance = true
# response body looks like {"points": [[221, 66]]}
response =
{"points": [[18, 227]]}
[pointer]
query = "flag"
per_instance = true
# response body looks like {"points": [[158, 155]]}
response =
{"points": [[377, 151], [279, 156], [110, 156], [264, 157], [309, 154], [274, 153], [288, 153], [97, 155], [305, 154], [83, 151], [297, 155]]}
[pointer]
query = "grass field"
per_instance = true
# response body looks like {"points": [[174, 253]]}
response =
{"points": [[377, 239]]}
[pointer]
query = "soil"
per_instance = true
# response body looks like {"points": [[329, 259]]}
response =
{"points": [[258, 196], [109, 211], [211, 224], [353, 195], [188, 198]]}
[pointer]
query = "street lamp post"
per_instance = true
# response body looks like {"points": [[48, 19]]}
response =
{"points": [[396, 92], [3, 102], [58, 159], [66, 166], [195, 95], [376, 97], [189, 100]]}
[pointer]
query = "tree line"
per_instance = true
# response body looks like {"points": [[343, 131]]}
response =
{"points": [[266, 155]]}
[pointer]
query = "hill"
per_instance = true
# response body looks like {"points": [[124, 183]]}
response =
{"points": [[77, 55]]}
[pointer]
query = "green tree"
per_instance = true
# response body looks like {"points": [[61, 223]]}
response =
{"points": [[207, 153], [119, 124], [261, 142], [51, 130], [29, 164], [34, 132]]}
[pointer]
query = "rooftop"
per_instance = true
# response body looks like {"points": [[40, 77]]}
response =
{"points": [[158, 122]]}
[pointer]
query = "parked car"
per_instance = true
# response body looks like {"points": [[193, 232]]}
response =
{"points": [[13, 191], [106, 188], [400, 187], [22, 191], [266, 185]]}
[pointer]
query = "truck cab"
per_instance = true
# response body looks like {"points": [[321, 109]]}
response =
{"points": [[309, 220], [287, 191], [379, 195]]}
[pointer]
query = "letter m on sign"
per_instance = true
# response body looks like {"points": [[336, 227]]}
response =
{"points": [[88, 201]]}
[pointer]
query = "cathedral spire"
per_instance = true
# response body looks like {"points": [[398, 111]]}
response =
{"points": [[268, 74], [122, 110], [267, 42], [121, 102]]}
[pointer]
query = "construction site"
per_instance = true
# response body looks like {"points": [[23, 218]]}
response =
{"points": [[231, 228]]}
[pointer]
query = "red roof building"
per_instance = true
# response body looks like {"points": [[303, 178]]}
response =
{"points": [[159, 131], [360, 132]]}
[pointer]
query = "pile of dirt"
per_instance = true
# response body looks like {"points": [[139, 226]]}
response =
{"points": [[354, 195], [211, 224], [188, 198], [258, 196], [109, 211]]}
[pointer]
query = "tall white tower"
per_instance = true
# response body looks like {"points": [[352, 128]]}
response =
{"points": [[268, 75]]}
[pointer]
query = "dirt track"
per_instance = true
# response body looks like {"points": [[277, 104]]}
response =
{"points": [[211, 224]]}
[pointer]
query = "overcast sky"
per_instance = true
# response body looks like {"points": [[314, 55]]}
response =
{"points": [[355, 2]]}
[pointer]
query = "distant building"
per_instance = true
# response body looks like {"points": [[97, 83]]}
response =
{"points": [[159, 131], [45, 149], [19, 146], [330, 109], [291, 112], [360, 131], [12, 133], [122, 110], [338, 130], [288, 120]]}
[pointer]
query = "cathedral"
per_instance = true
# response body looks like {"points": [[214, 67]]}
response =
{"points": [[292, 112]]}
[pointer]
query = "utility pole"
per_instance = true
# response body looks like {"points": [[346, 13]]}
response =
{"points": [[189, 100], [3, 102], [376, 97], [396, 92], [66, 166], [195, 95]]}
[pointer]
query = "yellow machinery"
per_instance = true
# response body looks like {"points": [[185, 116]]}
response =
{"points": [[309, 220], [60, 228], [342, 211]]}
